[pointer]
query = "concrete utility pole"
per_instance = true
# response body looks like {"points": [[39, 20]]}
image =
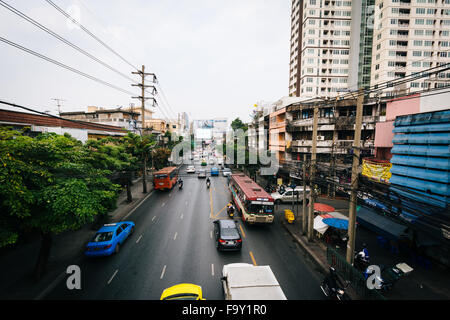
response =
{"points": [[312, 176], [304, 196], [354, 183], [143, 98], [58, 104]]}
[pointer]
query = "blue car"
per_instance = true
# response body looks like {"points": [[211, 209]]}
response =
{"points": [[108, 239], [214, 171]]}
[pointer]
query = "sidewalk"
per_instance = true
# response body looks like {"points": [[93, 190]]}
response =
{"points": [[17, 263], [427, 284]]}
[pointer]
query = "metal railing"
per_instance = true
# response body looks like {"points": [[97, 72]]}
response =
{"points": [[349, 273]]}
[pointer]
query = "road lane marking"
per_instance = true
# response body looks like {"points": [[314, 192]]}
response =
{"points": [[175, 236], [217, 214], [134, 209], [211, 203], [181, 217], [242, 230], [154, 217], [163, 204], [210, 234], [113, 276], [139, 239], [253, 258], [163, 271], [212, 269], [170, 194], [186, 203]]}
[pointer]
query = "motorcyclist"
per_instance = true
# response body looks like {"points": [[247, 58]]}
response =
{"points": [[208, 181], [333, 282], [230, 209], [180, 183], [363, 255]]}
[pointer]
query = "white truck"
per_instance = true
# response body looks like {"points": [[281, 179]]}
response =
{"points": [[244, 281]]}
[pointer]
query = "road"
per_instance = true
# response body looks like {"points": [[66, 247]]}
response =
{"points": [[173, 243]]}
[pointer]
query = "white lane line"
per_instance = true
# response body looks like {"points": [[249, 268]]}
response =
{"points": [[163, 204], [140, 203], [210, 234], [154, 217], [163, 271], [170, 194], [186, 203], [139, 239], [175, 236], [113, 276], [212, 269], [181, 217]]}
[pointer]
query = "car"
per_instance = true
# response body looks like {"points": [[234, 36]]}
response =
{"points": [[211, 161], [227, 236], [183, 291], [286, 196], [220, 161], [226, 172], [201, 174], [214, 171], [108, 239], [190, 169]]}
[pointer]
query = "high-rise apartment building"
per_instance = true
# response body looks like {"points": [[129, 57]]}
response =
{"points": [[320, 47], [409, 37]]}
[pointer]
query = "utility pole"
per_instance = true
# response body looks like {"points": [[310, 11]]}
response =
{"points": [[354, 182], [312, 176], [143, 98], [58, 104], [304, 196]]}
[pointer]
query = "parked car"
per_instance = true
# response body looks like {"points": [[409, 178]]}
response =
{"points": [[226, 172], [190, 169], [227, 235], [214, 171], [201, 174], [286, 196], [183, 291], [109, 238]]}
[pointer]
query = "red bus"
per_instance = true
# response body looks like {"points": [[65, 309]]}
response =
{"points": [[252, 201], [166, 178]]}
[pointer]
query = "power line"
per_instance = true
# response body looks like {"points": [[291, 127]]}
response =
{"points": [[68, 16], [60, 38], [64, 65]]}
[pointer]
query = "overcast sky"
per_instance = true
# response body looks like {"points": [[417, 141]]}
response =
{"points": [[213, 58]]}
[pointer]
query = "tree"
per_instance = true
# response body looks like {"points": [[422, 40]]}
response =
{"points": [[51, 183], [238, 124]]}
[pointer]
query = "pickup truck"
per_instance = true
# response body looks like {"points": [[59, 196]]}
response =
{"points": [[286, 196], [244, 281]]}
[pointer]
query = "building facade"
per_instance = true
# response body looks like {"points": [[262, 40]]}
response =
{"points": [[410, 36]]}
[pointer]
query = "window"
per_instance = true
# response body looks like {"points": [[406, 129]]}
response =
{"points": [[417, 53], [419, 21]]}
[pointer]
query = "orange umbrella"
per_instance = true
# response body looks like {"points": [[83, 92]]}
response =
{"points": [[322, 207]]}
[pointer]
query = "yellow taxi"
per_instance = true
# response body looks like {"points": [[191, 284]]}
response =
{"points": [[183, 291]]}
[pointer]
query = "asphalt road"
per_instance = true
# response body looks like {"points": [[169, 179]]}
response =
{"points": [[173, 243]]}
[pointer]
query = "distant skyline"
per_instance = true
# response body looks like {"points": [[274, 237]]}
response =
{"points": [[213, 58]]}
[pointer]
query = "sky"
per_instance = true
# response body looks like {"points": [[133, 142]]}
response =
{"points": [[212, 58]]}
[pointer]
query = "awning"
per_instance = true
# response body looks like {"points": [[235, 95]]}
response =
{"points": [[379, 224], [319, 225]]}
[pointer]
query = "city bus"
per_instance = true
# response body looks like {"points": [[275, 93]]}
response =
{"points": [[253, 203], [166, 178]]}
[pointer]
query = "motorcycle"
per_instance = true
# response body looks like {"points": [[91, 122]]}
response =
{"points": [[336, 294], [230, 211], [360, 263], [180, 185], [208, 184]]}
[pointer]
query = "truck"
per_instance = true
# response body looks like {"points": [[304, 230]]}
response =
{"points": [[244, 281]]}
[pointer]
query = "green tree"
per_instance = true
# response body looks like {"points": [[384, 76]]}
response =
{"points": [[52, 183]]}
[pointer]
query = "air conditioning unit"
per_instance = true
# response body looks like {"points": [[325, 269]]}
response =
{"points": [[320, 138]]}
